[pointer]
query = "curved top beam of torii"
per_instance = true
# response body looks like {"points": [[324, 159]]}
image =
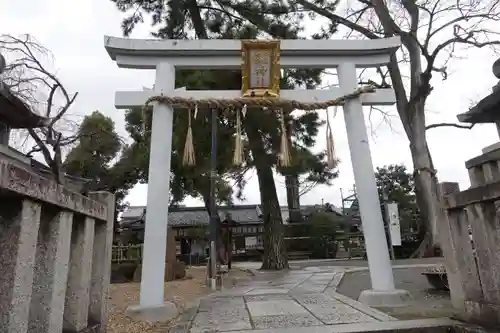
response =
{"points": [[226, 54], [220, 53]]}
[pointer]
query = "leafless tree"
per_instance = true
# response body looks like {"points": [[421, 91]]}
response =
{"points": [[432, 33], [29, 77]]}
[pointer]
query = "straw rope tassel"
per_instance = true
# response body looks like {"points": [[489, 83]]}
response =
{"points": [[284, 157], [189, 157], [330, 145], [238, 144]]}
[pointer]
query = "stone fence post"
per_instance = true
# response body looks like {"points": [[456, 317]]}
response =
{"points": [[55, 254], [445, 232], [101, 262]]}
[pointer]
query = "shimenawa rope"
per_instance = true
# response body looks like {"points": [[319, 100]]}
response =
{"points": [[241, 103], [272, 103]]}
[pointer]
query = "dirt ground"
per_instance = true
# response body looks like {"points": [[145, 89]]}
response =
{"points": [[182, 292]]}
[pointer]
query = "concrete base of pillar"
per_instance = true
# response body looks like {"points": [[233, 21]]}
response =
{"points": [[163, 313], [385, 298]]}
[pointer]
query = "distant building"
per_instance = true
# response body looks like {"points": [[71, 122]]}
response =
{"points": [[247, 234]]}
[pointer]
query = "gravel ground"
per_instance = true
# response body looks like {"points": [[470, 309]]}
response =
{"points": [[426, 302], [183, 292]]}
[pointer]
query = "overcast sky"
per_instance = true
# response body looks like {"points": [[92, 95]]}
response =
{"points": [[74, 30]]}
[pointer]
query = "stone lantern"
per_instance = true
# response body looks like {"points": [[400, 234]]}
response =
{"points": [[14, 113], [486, 110]]}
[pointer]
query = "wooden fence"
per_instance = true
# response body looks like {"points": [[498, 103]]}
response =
{"points": [[126, 253]]}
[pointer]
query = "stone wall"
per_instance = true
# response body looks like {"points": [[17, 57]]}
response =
{"points": [[55, 254], [470, 238]]}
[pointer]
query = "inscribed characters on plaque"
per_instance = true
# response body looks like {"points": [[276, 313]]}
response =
{"points": [[260, 68]]}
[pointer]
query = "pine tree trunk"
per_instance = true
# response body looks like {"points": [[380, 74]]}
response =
{"points": [[275, 257], [274, 246], [292, 187], [4, 134]]}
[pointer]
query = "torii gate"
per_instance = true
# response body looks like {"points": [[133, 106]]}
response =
{"points": [[165, 56]]}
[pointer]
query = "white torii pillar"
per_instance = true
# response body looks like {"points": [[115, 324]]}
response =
{"points": [[345, 55]]}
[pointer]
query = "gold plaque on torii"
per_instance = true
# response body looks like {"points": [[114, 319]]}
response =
{"points": [[260, 68]]}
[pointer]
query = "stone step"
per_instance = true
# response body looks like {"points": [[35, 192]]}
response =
{"points": [[439, 325]]}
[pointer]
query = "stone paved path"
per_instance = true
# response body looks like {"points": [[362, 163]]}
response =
{"points": [[280, 300]]}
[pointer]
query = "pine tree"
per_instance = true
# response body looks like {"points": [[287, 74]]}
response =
{"points": [[178, 19]]}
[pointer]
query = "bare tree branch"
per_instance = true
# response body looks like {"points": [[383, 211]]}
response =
{"points": [[428, 127], [29, 78], [432, 33]]}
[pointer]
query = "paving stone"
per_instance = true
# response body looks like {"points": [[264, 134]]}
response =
{"points": [[272, 308], [299, 272], [281, 285], [296, 277], [334, 283], [224, 312], [179, 328], [318, 282], [272, 297], [206, 322], [285, 321], [308, 288], [315, 299], [312, 269], [260, 283], [221, 327], [238, 291], [322, 276], [332, 312], [312, 329], [265, 291], [209, 304], [331, 307], [344, 318]]}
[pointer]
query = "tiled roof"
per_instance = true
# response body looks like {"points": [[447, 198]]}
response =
{"points": [[16, 114], [186, 216], [133, 212]]}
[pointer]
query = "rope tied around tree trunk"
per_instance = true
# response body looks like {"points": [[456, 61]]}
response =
{"points": [[278, 104]]}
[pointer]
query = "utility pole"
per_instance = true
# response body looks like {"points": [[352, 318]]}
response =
{"points": [[213, 203]]}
